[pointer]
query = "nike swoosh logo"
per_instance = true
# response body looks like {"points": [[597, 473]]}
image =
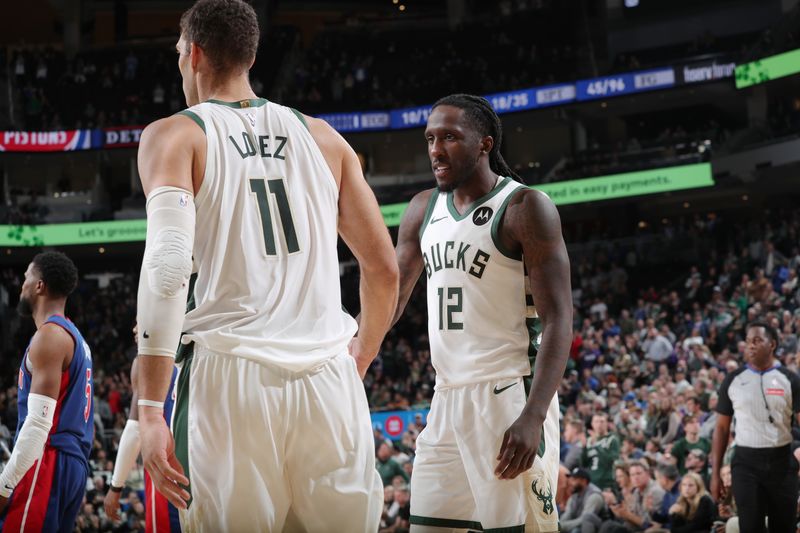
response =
{"points": [[145, 335], [435, 220], [498, 391]]}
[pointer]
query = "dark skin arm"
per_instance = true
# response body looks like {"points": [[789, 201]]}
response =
{"points": [[409, 254], [721, 436], [50, 354], [532, 226]]}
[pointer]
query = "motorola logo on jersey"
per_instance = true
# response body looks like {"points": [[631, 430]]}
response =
{"points": [[482, 215]]}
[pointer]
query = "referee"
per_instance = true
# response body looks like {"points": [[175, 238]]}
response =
{"points": [[762, 397]]}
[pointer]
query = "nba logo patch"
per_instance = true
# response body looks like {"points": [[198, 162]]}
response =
{"points": [[184, 201]]}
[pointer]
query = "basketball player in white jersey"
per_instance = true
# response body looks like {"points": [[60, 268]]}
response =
{"points": [[271, 417], [488, 458]]}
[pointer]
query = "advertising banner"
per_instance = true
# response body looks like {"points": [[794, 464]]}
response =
{"points": [[394, 424], [45, 141], [768, 68]]}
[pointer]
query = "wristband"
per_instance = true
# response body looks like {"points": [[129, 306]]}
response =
{"points": [[112, 488], [150, 403]]}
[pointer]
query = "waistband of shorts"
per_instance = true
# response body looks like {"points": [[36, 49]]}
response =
{"points": [[441, 387], [200, 350], [780, 451]]}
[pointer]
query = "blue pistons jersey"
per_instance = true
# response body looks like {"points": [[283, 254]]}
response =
{"points": [[49, 495], [73, 423]]}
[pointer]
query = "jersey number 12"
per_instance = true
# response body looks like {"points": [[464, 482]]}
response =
{"points": [[276, 186], [454, 303]]}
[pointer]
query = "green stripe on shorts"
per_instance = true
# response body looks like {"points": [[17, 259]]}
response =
{"points": [[180, 419], [444, 522]]}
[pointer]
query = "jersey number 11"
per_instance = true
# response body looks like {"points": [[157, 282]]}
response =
{"points": [[276, 187]]}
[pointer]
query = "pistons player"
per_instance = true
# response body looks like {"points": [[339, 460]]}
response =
{"points": [[160, 515], [43, 484]]}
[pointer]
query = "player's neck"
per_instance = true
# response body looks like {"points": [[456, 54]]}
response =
{"points": [[46, 310], [477, 186], [233, 89]]}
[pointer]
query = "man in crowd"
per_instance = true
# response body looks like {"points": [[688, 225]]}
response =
{"points": [[585, 506], [600, 452], [636, 514], [691, 441]]}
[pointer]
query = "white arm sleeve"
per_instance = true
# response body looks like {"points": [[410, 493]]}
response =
{"points": [[127, 453], [166, 268], [30, 441]]}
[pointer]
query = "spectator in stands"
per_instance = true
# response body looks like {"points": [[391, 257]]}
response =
{"points": [[656, 347], [694, 510], [387, 466], [668, 478], [585, 506], [574, 442], [636, 513], [691, 441], [601, 450]]}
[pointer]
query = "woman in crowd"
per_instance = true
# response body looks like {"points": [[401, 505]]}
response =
{"points": [[694, 510]]}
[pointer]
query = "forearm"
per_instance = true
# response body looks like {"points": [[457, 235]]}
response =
{"points": [[718, 446], [551, 362], [129, 445], [378, 293], [30, 442]]}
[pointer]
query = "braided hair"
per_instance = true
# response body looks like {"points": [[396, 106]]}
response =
{"points": [[485, 121]]}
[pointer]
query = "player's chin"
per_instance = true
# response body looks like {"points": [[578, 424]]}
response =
{"points": [[446, 185]]}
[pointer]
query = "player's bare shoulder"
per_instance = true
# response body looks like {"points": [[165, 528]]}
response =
{"points": [[531, 214], [51, 343]]}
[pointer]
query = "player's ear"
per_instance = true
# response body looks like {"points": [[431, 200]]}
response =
{"points": [[195, 54], [487, 143]]}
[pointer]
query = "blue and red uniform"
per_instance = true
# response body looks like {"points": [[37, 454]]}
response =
{"points": [[48, 498], [160, 515]]}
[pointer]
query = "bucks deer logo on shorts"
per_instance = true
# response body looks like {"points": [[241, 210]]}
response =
{"points": [[546, 498]]}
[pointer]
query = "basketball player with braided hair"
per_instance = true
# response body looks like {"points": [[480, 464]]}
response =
{"points": [[489, 248]]}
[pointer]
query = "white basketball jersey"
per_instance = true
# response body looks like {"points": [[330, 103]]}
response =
{"points": [[477, 298], [265, 252]]}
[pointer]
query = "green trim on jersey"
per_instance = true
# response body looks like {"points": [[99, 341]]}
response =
{"points": [[241, 104], [428, 212], [299, 115], [180, 418], [444, 522], [498, 242], [192, 115], [477, 203], [185, 350]]}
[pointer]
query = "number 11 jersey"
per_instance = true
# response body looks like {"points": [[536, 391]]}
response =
{"points": [[265, 247]]}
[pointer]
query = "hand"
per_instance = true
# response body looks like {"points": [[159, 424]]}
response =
{"points": [[676, 509], [363, 361], [3, 503], [609, 497], [111, 505], [724, 511], [158, 453], [617, 509], [520, 444], [648, 501]]}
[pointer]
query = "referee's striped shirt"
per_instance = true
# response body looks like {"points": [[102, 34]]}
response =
{"points": [[753, 397]]}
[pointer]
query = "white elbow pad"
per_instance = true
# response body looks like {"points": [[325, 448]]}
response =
{"points": [[166, 268], [30, 441], [127, 453]]}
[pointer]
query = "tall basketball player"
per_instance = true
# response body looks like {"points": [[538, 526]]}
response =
{"points": [[160, 515], [45, 477], [251, 194], [489, 455]]}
